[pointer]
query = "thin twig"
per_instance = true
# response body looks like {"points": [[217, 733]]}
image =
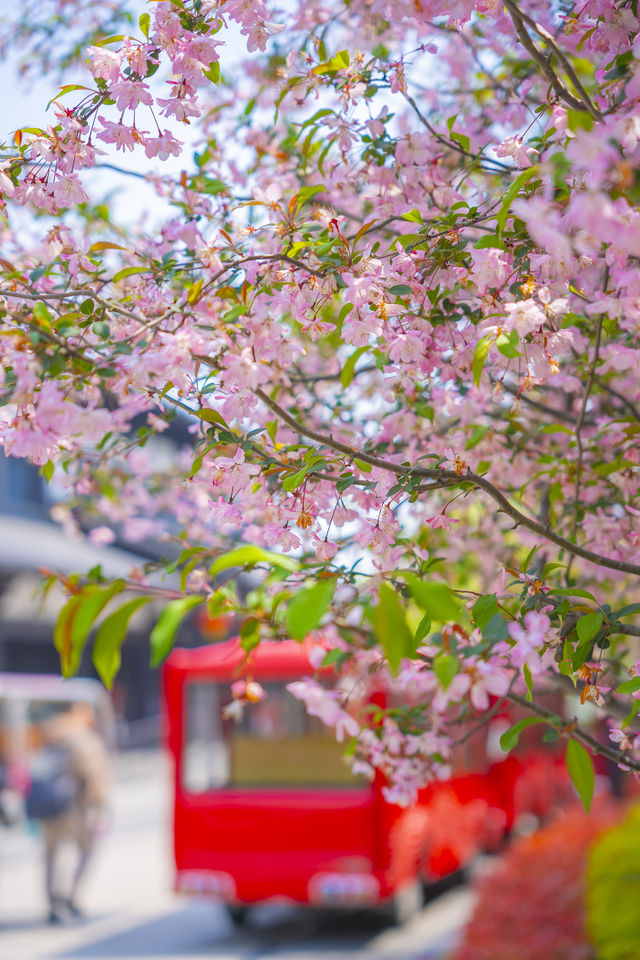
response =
{"points": [[631, 407], [535, 404], [452, 144], [578, 433], [575, 733]]}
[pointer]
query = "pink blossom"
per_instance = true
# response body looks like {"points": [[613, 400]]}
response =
{"points": [[104, 63], [226, 516], [325, 705], [514, 147], [124, 137], [163, 147], [101, 536], [129, 94], [325, 550], [68, 191], [528, 640]]}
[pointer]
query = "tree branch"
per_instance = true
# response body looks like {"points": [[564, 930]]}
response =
{"points": [[580, 102], [628, 630], [534, 404], [473, 479], [575, 733]]}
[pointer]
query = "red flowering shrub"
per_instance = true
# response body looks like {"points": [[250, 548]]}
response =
{"points": [[532, 905]]}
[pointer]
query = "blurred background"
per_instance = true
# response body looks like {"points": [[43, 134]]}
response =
{"points": [[128, 907], [563, 884]]}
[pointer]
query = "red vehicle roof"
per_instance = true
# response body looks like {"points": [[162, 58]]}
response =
{"points": [[228, 661]]}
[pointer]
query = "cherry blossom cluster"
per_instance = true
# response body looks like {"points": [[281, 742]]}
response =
{"points": [[390, 306]]}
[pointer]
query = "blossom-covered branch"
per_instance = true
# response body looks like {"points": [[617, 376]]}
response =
{"points": [[387, 297]]}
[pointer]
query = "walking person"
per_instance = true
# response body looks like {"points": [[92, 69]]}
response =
{"points": [[68, 797]]}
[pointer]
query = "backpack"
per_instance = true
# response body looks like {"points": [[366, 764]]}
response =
{"points": [[53, 787]]}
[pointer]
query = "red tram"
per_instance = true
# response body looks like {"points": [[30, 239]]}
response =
{"points": [[265, 806]]}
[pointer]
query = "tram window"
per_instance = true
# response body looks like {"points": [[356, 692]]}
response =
{"points": [[206, 759], [274, 743]]}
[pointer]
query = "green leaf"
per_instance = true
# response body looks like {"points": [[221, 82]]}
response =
{"points": [[489, 241], [581, 654], [510, 737], [510, 196], [116, 38], [127, 272], [250, 634], [75, 621], [334, 656], [294, 480], [47, 469], [249, 557], [109, 638], [211, 416], [445, 668], [484, 609], [629, 686], [556, 428], [163, 634], [630, 717], [526, 563], [507, 344], [573, 592], [306, 193], [495, 629], [630, 608], [207, 185], [62, 631], [401, 290], [528, 679], [194, 291], [213, 72], [67, 88], [41, 314], [348, 372], [477, 433], [189, 552], [307, 607], [414, 216], [422, 630], [587, 627], [339, 62], [462, 139], [390, 627], [580, 769], [479, 356], [101, 329], [144, 22], [434, 596]]}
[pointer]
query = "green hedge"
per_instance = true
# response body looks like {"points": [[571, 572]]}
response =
{"points": [[613, 891]]}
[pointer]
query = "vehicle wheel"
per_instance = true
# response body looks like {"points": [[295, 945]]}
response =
{"points": [[238, 915], [406, 904], [435, 888]]}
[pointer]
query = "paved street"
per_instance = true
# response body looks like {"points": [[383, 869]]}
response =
{"points": [[131, 912]]}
